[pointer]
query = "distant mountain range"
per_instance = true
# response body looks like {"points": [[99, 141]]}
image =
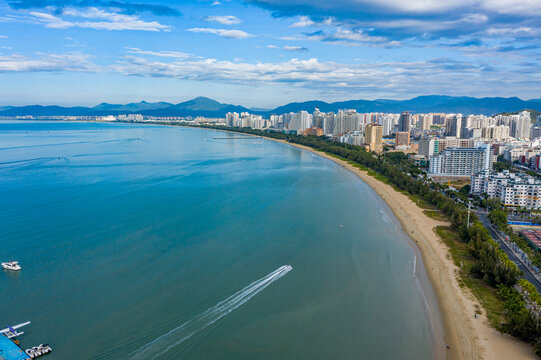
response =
{"points": [[202, 106]]}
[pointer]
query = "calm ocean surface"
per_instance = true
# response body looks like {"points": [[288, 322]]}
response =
{"points": [[154, 242]]}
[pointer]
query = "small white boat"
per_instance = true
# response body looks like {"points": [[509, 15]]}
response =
{"points": [[11, 265]]}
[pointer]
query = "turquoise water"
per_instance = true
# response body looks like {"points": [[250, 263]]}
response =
{"points": [[161, 242]]}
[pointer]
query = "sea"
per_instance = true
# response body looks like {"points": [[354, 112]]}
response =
{"points": [[162, 242]]}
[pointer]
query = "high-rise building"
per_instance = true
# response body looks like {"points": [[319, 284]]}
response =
{"points": [[438, 119], [387, 124], [329, 123], [426, 122], [453, 125], [404, 122], [535, 132], [373, 137], [461, 161], [520, 126], [402, 139], [318, 117], [429, 147], [499, 132], [301, 121], [231, 119], [347, 120]]}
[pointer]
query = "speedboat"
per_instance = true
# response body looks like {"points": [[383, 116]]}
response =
{"points": [[11, 265]]}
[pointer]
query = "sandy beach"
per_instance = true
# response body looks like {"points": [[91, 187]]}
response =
{"points": [[468, 337]]}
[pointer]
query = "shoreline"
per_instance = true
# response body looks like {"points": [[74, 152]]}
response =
{"points": [[468, 337]]}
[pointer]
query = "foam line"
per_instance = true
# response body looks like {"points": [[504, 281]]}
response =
{"points": [[183, 332]]}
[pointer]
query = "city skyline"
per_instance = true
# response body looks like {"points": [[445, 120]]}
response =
{"points": [[265, 52]]}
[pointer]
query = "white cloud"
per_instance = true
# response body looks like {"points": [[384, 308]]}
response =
{"points": [[106, 20], [515, 7], [432, 25], [429, 6], [47, 62], [341, 36], [295, 48], [291, 38], [52, 21], [162, 53], [288, 48], [224, 20], [304, 21], [216, 3], [3, 37], [515, 31], [231, 34], [414, 6], [371, 79]]}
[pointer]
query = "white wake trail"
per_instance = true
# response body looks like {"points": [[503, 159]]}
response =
{"points": [[181, 333]]}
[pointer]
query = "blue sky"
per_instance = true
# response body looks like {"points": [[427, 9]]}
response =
{"points": [[264, 53]]}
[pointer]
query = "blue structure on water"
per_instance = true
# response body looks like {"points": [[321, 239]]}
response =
{"points": [[10, 351]]}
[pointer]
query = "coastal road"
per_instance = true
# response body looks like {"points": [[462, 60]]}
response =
{"points": [[528, 275]]}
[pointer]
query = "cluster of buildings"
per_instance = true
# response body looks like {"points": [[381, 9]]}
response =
{"points": [[452, 144], [512, 189]]}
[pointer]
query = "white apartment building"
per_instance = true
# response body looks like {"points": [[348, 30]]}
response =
{"points": [[301, 121], [387, 122], [461, 161], [520, 125], [232, 119], [514, 190], [353, 138], [328, 123], [496, 132], [348, 120]]}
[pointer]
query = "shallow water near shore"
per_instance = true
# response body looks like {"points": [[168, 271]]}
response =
{"points": [[160, 242]]}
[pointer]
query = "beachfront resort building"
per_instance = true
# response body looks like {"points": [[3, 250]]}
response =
{"points": [[461, 162], [513, 189]]}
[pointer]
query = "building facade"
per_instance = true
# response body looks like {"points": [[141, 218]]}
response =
{"points": [[404, 122], [512, 189], [373, 137], [461, 162]]}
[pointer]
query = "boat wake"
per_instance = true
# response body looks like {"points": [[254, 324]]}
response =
{"points": [[183, 332]]}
